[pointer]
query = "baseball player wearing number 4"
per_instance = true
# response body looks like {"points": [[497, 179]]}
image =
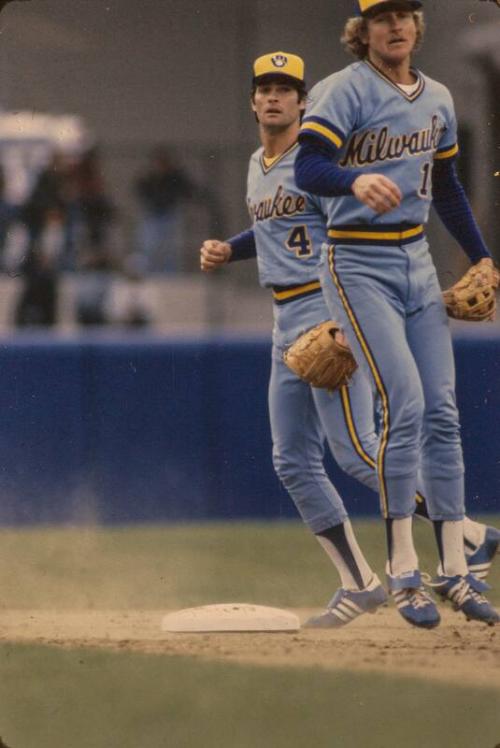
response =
{"points": [[379, 138], [288, 230]]}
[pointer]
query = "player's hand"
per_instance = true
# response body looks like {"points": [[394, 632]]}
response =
{"points": [[213, 254], [485, 261], [484, 277], [377, 192]]}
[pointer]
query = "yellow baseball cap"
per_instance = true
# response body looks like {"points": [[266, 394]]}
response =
{"points": [[279, 63], [367, 7]]}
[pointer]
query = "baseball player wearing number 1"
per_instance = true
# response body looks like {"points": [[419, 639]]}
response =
{"points": [[288, 230], [379, 138]]}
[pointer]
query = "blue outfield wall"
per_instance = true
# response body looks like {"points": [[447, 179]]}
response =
{"points": [[136, 428]]}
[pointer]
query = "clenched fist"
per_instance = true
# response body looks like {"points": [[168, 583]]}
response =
{"points": [[213, 254], [377, 192]]}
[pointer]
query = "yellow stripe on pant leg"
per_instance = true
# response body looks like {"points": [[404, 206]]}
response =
{"points": [[376, 376], [351, 427], [353, 434]]}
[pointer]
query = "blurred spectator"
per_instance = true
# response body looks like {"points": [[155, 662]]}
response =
{"points": [[47, 197], [161, 190], [44, 214], [96, 208], [96, 262], [37, 302], [67, 215]]}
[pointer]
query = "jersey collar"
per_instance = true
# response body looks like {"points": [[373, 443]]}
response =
{"points": [[277, 160], [408, 97]]}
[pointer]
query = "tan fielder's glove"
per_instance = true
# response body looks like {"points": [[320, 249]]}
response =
{"points": [[318, 359], [473, 297]]}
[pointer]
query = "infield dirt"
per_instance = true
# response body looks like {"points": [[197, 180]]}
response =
{"points": [[456, 652]]}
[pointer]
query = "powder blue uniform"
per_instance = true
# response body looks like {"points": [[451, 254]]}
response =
{"points": [[379, 280], [289, 229]]}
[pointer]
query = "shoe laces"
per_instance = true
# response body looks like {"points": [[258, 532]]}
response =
{"points": [[460, 592], [418, 597]]}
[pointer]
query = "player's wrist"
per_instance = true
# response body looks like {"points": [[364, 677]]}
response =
{"points": [[227, 250], [358, 186], [485, 261]]}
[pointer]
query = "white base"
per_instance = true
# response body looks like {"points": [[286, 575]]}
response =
{"points": [[230, 617]]}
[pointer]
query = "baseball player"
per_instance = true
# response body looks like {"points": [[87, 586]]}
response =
{"points": [[380, 138], [288, 230]]}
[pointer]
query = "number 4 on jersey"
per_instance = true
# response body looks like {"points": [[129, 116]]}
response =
{"points": [[299, 242]]}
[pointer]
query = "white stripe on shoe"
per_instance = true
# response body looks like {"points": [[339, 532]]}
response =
{"points": [[480, 570]]}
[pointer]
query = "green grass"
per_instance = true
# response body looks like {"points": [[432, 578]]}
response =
{"points": [[90, 699], [53, 698], [162, 567]]}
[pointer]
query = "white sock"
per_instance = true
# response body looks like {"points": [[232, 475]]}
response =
{"points": [[341, 545], [474, 533], [402, 554], [453, 561]]}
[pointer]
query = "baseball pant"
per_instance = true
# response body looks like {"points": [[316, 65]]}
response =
{"points": [[388, 300]]}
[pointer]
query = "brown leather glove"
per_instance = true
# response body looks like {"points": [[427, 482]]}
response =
{"points": [[318, 359], [473, 297]]}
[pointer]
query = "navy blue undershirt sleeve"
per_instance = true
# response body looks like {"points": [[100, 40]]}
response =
{"points": [[315, 171], [243, 246], [453, 208]]}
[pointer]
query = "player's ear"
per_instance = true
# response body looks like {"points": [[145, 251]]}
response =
{"points": [[252, 106], [363, 33]]}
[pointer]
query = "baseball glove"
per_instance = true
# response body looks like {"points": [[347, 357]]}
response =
{"points": [[473, 297], [318, 359]]}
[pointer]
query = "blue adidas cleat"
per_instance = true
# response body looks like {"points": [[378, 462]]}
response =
{"points": [[346, 605], [412, 601], [464, 593], [480, 561]]}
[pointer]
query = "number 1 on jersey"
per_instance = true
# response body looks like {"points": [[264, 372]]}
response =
{"points": [[298, 241], [426, 179]]}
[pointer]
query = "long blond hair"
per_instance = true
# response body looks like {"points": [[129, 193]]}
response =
{"points": [[355, 28]]}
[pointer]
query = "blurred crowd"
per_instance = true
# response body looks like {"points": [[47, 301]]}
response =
{"points": [[68, 225]]}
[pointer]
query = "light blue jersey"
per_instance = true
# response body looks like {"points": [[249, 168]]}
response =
{"points": [[289, 230], [288, 224], [375, 126]]}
